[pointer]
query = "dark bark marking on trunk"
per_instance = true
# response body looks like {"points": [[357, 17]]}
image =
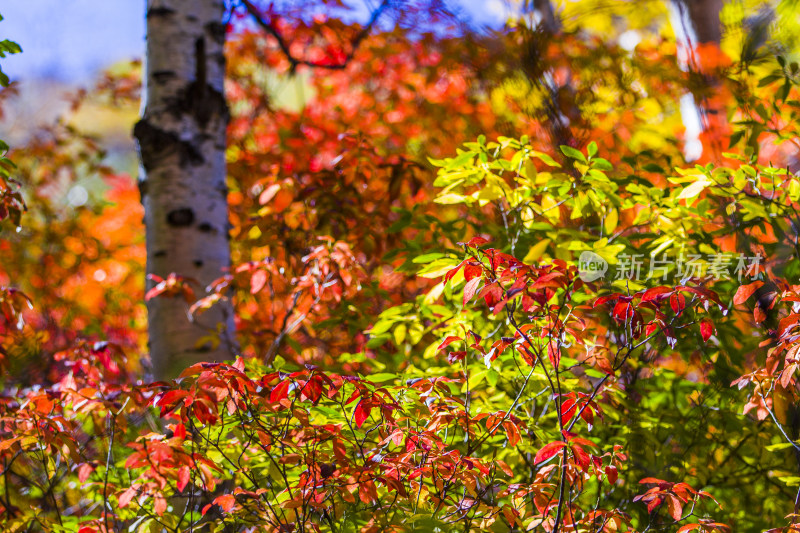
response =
{"points": [[155, 143], [159, 12], [200, 75], [205, 227], [183, 216], [216, 30], [198, 263], [200, 100], [160, 253], [203, 102], [163, 76]]}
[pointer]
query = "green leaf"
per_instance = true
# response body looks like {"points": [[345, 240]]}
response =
{"points": [[460, 160], [427, 258], [376, 342], [602, 164], [546, 159], [735, 138], [779, 446], [573, 153], [381, 377]]}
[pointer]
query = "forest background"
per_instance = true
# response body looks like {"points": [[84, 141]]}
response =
{"points": [[419, 337]]}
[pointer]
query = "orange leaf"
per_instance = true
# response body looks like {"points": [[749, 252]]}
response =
{"points": [[225, 502], [746, 291]]}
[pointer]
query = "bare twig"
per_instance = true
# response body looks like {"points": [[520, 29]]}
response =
{"points": [[270, 28]]}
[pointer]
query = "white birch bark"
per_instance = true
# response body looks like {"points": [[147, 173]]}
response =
{"points": [[181, 139]]}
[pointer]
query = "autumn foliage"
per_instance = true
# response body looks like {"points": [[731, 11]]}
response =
{"points": [[422, 346]]}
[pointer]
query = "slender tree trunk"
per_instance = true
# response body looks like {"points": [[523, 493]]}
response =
{"points": [[181, 138], [697, 23], [701, 20], [561, 110], [547, 16]]}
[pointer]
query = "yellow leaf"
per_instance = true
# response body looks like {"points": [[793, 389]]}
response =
{"points": [[549, 208], [435, 292], [694, 189], [536, 251], [610, 222], [451, 198], [399, 334]]}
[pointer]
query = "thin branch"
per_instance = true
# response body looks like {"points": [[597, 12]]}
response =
{"points": [[268, 27]]}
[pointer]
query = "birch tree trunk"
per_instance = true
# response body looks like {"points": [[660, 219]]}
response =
{"points": [[181, 139]]}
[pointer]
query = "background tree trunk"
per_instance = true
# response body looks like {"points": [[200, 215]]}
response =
{"points": [[701, 18], [181, 138], [697, 23]]}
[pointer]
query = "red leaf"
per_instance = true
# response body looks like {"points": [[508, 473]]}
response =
{"points": [[84, 471], [706, 329], [169, 401], [611, 474], [257, 281], [512, 431], [454, 271], [448, 341], [746, 291], [548, 451], [152, 293], [678, 303], [605, 299], [280, 391], [622, 311], [581, 457], [492, 294], [554, 353], [126, 497], [471, 288], [656, 293], [159, 504], [454, 357], [184, 474], [568, 409], [476, 241], [472, 271], [675, 507], [787, 323], [362, 413]]}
